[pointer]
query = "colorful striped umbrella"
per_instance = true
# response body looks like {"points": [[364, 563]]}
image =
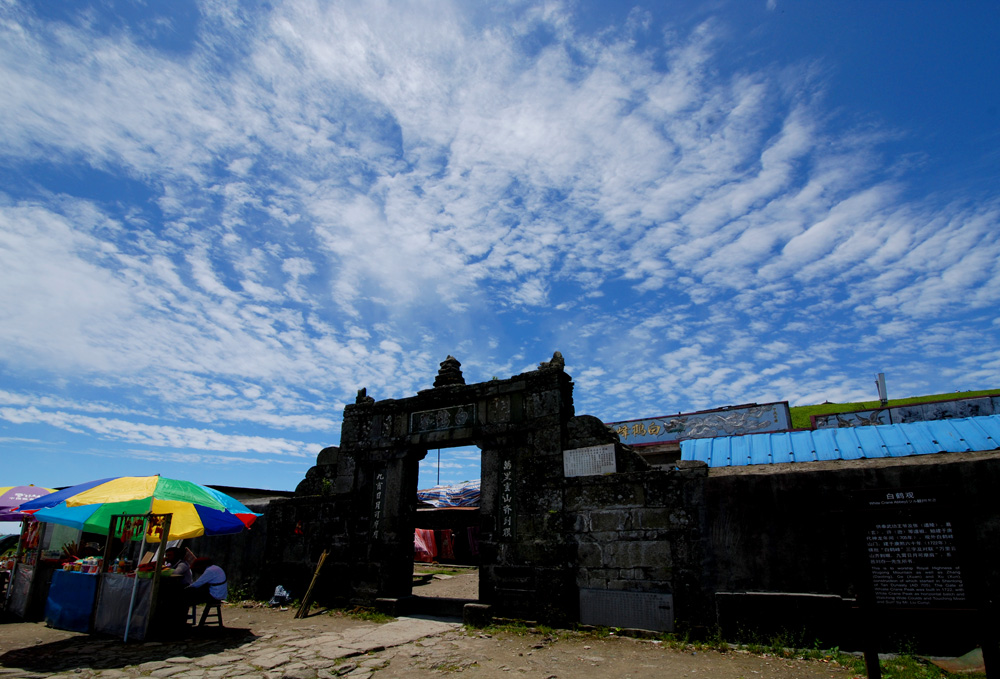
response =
{"points": [[12, 496], [197, 510]]}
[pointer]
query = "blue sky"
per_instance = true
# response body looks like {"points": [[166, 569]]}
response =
{"points": [[219, 220]]}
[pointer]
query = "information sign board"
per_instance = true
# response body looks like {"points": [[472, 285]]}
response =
{"points": [[590, 461], [912, 554]]}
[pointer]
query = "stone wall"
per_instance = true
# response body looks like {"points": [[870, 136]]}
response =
{"points": [[787, 529], [644, 532], [753, 550], [543, 537]]}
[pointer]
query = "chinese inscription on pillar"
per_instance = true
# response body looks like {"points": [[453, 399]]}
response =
{"points": [[378, 504], [507, 514]]}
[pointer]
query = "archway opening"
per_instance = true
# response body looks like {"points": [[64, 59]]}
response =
{"points": [[447, 525]]}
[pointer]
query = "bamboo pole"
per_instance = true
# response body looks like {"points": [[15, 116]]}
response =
{"points": [[301, 613]]}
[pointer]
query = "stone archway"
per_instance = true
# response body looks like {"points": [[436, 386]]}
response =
{"points": [[539, 548]]}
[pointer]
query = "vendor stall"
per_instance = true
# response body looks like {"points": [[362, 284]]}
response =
{"points": [[43, 547], [114, 593], [129, 586], [70, 603], [121, 592], [130, 598]]}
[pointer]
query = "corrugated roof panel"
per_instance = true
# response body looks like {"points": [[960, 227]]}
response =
{"points": [[803, 446], [922, 438], [948, 437], [827, 448], [849, 443], [970, 433], [781, 448], [734, 452], [720, 454], [991, 427], [870, 440], [896, 442], [706, 445], [759, 449]]}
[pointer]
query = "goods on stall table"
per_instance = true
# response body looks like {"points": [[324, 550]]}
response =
{"points": [[90, 565]]}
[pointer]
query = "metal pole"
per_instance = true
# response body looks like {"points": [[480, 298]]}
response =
{"points": [[17, 558], [439, 467], [135, 579]]}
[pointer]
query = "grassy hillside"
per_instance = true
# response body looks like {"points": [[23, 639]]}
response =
{"points": [[800, 415]]}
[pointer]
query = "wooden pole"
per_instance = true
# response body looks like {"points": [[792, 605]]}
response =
{"points": [[301, 613]]}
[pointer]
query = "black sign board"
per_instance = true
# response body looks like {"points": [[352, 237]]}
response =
{"points": [[912, 557], [912, 553]]}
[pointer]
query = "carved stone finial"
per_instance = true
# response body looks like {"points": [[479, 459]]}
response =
{"points": [[450, 373], [363, 396], [557, 363]]}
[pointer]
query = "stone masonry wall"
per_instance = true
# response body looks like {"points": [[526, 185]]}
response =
{"points": [[543, 536], [644, 532], [784, 548]]}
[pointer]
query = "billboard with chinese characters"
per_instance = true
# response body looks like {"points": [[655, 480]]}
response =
{"points": [[746, 419]]}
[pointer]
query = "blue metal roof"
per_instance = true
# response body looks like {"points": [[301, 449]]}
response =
{"points": [[849, 443]]}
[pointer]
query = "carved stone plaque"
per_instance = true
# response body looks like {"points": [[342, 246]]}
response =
{"points": [[632, 610], [590, 461], [455, 417]]}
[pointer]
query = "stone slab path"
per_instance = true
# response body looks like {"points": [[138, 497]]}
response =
{"points": [[274, 645], [278, 655]]}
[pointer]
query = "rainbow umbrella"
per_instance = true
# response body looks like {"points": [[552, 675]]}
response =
{"points": [[197, 510], [12, 496]]}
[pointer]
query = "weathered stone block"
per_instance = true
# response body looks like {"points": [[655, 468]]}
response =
{"points": [[662, 573], [611, 521], [590, 555], [587, 492], [602, 537], [545, 403], [633, 554], [477, 615], [328, 456], [657, 517]]}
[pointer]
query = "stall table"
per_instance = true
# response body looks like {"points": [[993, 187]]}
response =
{"points": [[71, 600]]}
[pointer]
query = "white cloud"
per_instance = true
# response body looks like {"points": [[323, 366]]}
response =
{"points": [[372, 186], [157, 435]]}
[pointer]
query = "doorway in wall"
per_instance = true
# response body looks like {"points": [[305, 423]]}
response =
{"points": [[447, 525]]}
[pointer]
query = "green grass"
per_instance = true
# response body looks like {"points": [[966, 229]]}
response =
{"points": [[903, 667], [440, 570], [362, 613], [800, 415]]}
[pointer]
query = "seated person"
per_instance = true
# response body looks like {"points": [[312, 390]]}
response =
{"points": [[209, 585], [173, 558]]}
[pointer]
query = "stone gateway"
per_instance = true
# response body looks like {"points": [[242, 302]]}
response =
{"points": [[554, 546]]}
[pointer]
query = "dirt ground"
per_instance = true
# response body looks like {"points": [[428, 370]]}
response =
{"points": [[477, 654], [457, 582], [501, 655]]}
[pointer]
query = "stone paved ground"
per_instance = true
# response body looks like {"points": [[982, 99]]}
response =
{"points": [[274, 645]]}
